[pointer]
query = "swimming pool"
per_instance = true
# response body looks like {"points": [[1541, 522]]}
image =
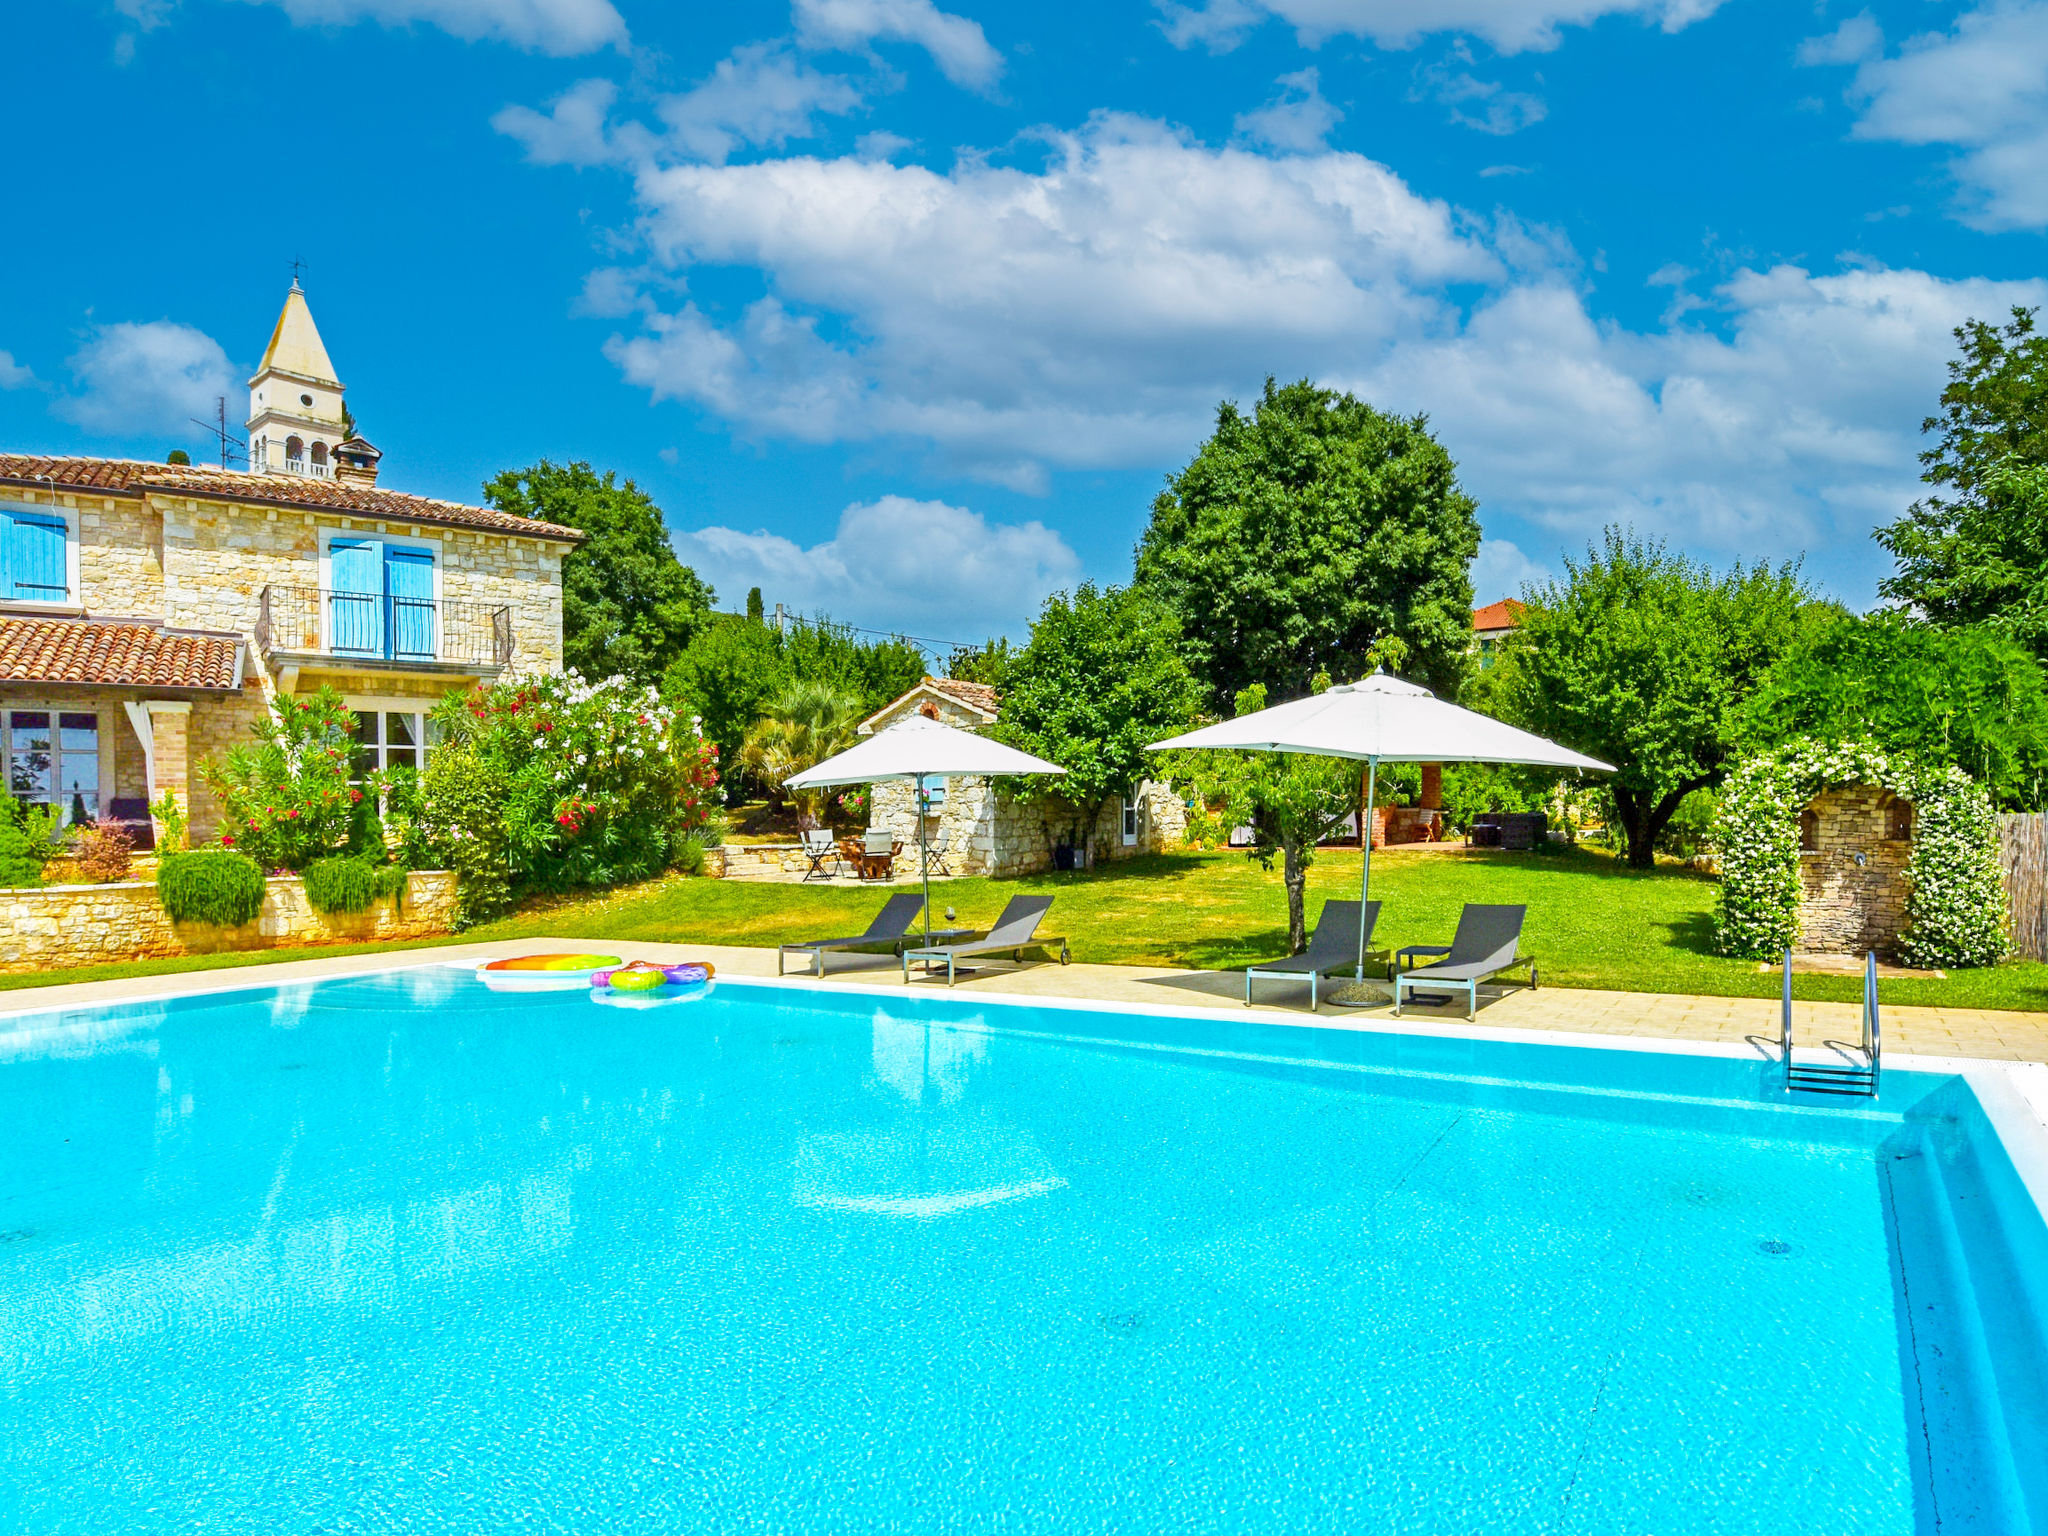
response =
{"points": [[399, 1253]]}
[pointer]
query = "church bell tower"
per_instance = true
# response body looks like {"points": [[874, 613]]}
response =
{"points": [[296, 419]]}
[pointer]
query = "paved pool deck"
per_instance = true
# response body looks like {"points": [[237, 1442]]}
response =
{"points": [[1967, 1032]]}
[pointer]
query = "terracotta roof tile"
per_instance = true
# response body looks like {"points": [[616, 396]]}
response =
{"points": [[132, 477], [1505, 614], [118, 652], [974, 695]]}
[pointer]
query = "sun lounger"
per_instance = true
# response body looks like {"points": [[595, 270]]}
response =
{"points": [[1332, 947], [1016, 930], [891, 928], [1488, 942]]}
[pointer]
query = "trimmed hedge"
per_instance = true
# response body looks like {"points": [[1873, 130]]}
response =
{"points": [[350, 884], [210, 885]]}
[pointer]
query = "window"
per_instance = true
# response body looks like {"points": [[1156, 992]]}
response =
{"points": [[1898, 825], [53, 759], [934, 795], [381, 599], [391, 738], [35, 557], [1809, 831], [1130, 823]]}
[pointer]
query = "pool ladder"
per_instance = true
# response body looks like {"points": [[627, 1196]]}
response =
{"points": [[1824, 1077]]}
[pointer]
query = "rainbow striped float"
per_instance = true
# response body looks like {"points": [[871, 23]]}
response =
{"points": [[543, 973]]}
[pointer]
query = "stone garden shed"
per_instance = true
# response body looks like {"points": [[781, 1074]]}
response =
{"points": [[1855, 841], [987, 832]]}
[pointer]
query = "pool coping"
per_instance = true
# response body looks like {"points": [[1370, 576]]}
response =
{"points": [[2013, 1094]]}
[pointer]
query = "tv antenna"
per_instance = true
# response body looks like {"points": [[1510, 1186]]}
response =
{"points": [[230, 445]]}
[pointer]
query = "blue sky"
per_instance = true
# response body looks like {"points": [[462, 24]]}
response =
{"points": [[904, 309]]}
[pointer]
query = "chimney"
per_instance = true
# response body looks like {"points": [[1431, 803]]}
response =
{"points": [[355, 463]]}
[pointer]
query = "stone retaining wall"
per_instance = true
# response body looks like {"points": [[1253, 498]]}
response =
{"points": [[61, 926]]}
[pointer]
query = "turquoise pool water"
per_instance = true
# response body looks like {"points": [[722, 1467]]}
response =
{"points": [[400, 1254]]}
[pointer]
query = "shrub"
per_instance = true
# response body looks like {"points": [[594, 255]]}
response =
{"points": [[287, 799], [1955, 907], [557, 783], [690, 857], [210, 885], [340, 884], [25, 843], [105, 852], [170, 819]]}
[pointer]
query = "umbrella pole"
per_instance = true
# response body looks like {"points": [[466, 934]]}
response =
{"points": [[924, 859], [1372, 773]]}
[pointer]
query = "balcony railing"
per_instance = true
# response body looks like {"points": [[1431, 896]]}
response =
{"points": [[313, 469], [378, 627]]}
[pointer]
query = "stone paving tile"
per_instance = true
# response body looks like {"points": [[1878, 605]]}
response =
{"points": [[1978, 1033]]}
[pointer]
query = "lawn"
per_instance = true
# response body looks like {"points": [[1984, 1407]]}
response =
{"points": [[1592, 921]]}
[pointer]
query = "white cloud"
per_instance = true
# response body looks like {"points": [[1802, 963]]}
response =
{"points": [[1502, 570], [1981, 87], [1297, 119], [559, 27], [149, 377], [1090, 313], [879, 568], [1510, 26], [14, 375], [762, 94], [1008, 322], [1483, 104], [1853, 41], [957, 45], [572, 131]]}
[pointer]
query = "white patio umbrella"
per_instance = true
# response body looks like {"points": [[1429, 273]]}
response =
{"points": [[918, 748], [1382, 719]]}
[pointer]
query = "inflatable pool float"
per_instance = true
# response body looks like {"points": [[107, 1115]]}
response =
{"points": [[644, 976], [543, 973], [642, 984]]}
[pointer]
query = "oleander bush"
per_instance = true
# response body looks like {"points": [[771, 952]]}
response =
{"points": [[286, 798], [556, 783], [210, 885], [1956, 904]]}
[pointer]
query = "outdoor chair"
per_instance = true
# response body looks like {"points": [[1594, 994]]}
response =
{"points": [[1487, 944], [819, 848], [1332, 947], [878, 854], [1016, 930], [890, 929], [935, 852]]}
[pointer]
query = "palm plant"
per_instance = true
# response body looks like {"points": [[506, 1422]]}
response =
{"points": [[799, 728]]}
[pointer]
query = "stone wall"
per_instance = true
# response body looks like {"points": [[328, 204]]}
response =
{"points": [[1846, 907], [219, 556], [988, 833], [62, 926]]}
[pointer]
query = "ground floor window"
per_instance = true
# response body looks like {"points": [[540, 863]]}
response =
{"points": [[53, 759], [1130, 823], [392, 738]]}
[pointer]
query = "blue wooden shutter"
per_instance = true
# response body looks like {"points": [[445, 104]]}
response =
{"points": [[409, 580], [37, 554], [355, 606]]}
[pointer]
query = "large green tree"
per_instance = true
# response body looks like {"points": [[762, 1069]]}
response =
{"points": [[1301, 534], [1643, 658], [1972, 697], [628, 604], [1100, 679], [1975, 549]]}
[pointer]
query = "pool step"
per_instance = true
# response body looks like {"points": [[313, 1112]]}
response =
{"points": [[1849, 1078]]}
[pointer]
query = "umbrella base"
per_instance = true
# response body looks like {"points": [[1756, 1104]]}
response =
{"points": [[1362, 994]]}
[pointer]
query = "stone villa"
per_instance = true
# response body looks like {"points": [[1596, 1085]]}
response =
{"points": [[148, 612], [984, 832]]}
